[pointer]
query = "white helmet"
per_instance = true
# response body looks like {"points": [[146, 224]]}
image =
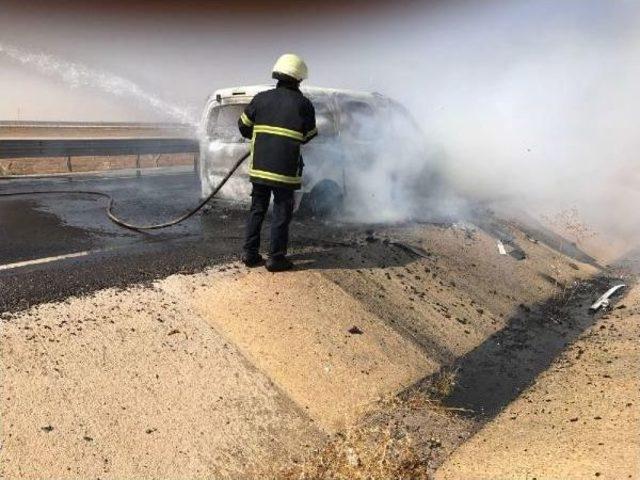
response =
{"points": [[291, 65]]}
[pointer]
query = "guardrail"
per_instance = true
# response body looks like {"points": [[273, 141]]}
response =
{"points": [[52, 156], [74, 148]]}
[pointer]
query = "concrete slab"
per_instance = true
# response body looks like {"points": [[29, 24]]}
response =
{"points": [[32, 166], [295, 328], [97, 163], [133, 384]]}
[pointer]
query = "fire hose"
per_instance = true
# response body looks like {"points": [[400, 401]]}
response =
{"points": [[130, 226]]}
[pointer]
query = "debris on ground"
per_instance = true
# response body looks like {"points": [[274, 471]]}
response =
{"points": [[480, 334], [387, 444], [518, 254], [408, 248], [380, 452], [603, 301]]}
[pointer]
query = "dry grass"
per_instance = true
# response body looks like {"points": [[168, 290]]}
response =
{"points": [[364, 453], [567, 222], [380, 447], [444, 382]]}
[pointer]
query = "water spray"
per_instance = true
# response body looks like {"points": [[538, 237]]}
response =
{"points": [[77, 75]]}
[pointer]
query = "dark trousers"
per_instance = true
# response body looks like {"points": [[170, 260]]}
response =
{"points": [[282, 213]]}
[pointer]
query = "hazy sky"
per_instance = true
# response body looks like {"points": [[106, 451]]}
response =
{"points": [[178, 51]]}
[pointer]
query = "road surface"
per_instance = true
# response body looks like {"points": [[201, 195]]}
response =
{"points": [[54, 246]]}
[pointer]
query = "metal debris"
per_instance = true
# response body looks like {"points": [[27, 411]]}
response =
{"points": [[603, 301], [514, 250]]}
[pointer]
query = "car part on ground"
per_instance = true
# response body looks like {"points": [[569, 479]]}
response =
{"points": [[603, 301]]}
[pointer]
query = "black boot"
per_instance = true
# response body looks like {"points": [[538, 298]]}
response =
{"points": [[278, 264], [252, 260]]}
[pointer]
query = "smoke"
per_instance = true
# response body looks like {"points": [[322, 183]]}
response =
{"points": [[76, 75], [542, 106], [389, 172], [531, 103]]}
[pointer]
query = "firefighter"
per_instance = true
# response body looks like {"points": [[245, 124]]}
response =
{"points": [[278, 122]]}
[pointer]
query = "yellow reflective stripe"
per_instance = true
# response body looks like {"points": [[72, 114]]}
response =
{"points": [[253, 141], [284, 132], [246, 120], [274, 176], [311, 133]]}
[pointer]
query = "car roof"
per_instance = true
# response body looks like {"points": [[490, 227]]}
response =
{"points": [[251, 91]]}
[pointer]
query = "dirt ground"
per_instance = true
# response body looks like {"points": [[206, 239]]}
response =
{"points": [[422, 339]]}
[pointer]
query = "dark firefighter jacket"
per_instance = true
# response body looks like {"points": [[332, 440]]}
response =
{"points": [[278, 121]]}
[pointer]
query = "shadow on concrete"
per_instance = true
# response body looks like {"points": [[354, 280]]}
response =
{"points": [[349, 255], [493, 374]]}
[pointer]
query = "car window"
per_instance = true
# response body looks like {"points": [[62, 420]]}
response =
{"points": [[358, 120], [325, 121], [223, 122]]}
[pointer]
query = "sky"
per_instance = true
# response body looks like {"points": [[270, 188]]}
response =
{"points": [[178, 51]]}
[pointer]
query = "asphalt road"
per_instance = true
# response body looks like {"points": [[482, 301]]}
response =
{"points": [[54, 246]]}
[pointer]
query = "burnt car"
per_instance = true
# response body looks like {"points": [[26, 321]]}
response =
{"points": [[354, 130]]}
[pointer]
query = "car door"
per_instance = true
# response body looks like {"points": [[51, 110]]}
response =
{"points": [[222, 147], [322, 156]]}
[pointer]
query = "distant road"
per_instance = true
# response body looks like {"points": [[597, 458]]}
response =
{"points": [[84, 130]]}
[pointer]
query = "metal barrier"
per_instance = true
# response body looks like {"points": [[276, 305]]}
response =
{"points": [[57, 156], [107, 147]]}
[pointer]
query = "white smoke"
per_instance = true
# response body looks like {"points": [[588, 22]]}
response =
{"points": [[391, 172], [534, 103]]}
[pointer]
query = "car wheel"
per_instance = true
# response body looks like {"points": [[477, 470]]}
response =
{"points": [[324, 200]]}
